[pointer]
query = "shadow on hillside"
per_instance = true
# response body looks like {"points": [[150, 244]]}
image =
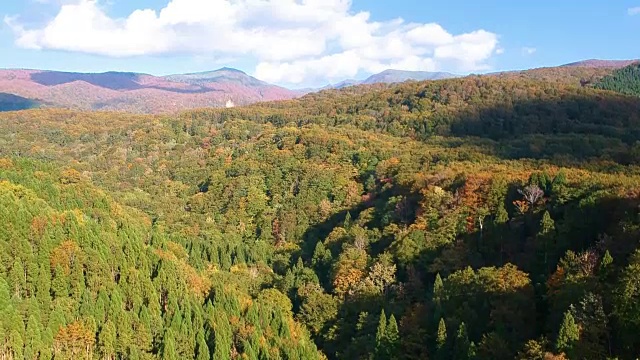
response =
{"points": [[110, 80], [10, 102], [514, 242], [577, 127]]}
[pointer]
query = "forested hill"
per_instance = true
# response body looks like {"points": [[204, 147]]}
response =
{"points": [[477, 218], [625, 80]]}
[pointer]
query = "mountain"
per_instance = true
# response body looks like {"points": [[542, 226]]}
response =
{"points": [[396, 76], [223, 75], [596, 63], [139, 93], [391, 76]]}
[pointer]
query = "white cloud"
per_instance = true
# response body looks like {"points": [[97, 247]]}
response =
{"points": [[634, 11], [292, 41], [528, 50]]}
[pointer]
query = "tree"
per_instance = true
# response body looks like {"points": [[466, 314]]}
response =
{"points": [[392, 337], [532, 194], [461, 345], [441, 339], [438, 294], [202, 347], [107, 340], [33, 340], [381, 334], [546, 235], [568, 335], [169, 346]]}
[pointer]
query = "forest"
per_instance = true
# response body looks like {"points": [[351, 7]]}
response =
{"points": [[485, 217]]}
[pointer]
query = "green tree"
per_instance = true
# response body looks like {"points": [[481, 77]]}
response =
{"points": [[202, 347], [392, 337], [169, 346], [461, 344], [568, 335], [107, 340]]}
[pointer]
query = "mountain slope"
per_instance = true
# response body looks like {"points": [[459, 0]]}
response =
{"points": [[377, 221], [10, 102], [625, 81], [596, 63], [139, 93], [396, 76]]}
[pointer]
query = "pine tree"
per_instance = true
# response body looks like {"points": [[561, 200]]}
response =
{"points": [[441, 337], [461, 344], [381, 331], [438, 294], [5, 295], [202, 347], [392, 337], [17, 278], [605, 265], [169, 346], [107, 340], [33, 340], [347, 221], [568, 335]]}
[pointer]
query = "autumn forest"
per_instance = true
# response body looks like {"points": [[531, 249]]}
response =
{"points": [[484, 217]]}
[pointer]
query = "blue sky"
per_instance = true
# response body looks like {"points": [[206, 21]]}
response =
{"points": [[313, 42]]}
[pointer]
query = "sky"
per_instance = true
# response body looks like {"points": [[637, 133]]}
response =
{"points": [[300, 43]]}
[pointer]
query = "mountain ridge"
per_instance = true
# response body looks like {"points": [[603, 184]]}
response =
{"points": [[140, 92]]}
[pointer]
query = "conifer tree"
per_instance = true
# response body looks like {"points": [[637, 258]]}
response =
{"points": [[438, 294], [381, 331], [33, 340], [202, 347], [392, 337], [169, 346], [568, 335], [107, 340], [441, 337], [461, 344]]}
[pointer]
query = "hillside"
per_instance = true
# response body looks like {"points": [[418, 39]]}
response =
{"points": [[139, 93], [10, 102], [625, 81], [596, 63], [491, 217]]}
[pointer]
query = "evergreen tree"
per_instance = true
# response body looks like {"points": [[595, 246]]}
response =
{"points": [[568, 335], [5, 295], [441, 338], [107, 340], [392, 337], [461, 344], [381, 331], [33, 340], [438, 297], [169, 346], [347, 221], [202, 347], [605, 265]]}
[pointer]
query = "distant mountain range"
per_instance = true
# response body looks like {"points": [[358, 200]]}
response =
{"points": [[394, 76], [143, 93], [139, 93]]}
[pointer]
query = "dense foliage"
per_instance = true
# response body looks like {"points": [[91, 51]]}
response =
{"points": [[625, 81], [476, 218]]}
